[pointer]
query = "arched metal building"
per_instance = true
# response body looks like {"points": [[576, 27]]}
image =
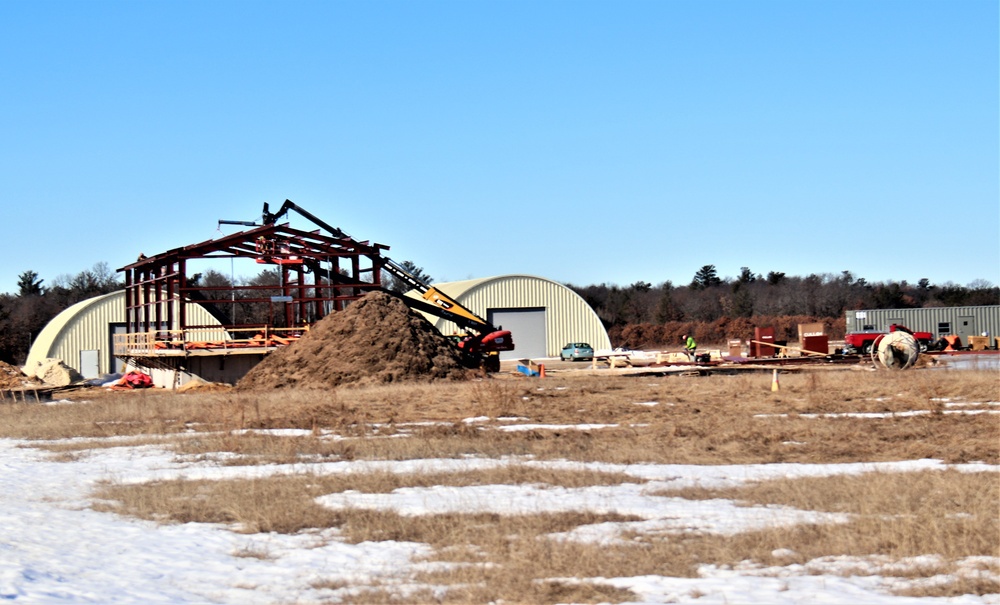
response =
{"points": [[82, 335], [542, 315]]}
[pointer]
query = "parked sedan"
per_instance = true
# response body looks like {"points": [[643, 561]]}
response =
{"points": [[577, 350]]}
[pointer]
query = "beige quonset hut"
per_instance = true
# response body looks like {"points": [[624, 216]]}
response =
{"points": [[542, 315], [82, 335]]}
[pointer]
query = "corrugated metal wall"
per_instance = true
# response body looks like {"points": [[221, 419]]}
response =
{"points": [[88, 330], [85, 327], [567, 318], [927, 319], [58, 340]]}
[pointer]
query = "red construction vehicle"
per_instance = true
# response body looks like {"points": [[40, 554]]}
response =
{"points": [[864, 342]]}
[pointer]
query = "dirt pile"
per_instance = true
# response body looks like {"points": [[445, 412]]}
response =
{"points": [[12, 378], [200, 385], [377, 339]]}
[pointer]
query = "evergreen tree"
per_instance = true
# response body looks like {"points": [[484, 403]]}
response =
{"points": [[28, 284], [706, 277]]}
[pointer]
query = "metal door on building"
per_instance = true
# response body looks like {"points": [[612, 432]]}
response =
{"points": [[966, 327], [90, 363], [527, 328], [115, 363]]}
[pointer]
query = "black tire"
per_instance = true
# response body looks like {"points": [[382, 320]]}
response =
{"points": [[866, 348]]}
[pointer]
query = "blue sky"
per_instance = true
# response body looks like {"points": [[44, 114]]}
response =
{"points": [[584, 142]]}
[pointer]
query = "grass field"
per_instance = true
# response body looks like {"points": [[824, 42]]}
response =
{"points": [[934, 529]]}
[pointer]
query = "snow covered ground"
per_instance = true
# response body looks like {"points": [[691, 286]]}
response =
{"points": [[54, 549]]}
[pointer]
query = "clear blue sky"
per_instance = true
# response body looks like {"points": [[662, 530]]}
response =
{"points": [[585, 142]]}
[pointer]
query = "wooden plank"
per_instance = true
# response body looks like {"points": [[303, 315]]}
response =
{"points": [[771, 344]]}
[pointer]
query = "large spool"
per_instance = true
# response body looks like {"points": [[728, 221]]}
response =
{"points": [[896, 351]]}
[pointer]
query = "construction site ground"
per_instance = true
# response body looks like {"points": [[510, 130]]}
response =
{"points": [[277, 494], [379, 340]]}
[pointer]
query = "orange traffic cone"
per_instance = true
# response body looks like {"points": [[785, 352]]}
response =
{"points": [[774, 382]]}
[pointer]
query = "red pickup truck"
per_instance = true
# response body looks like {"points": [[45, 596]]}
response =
{"points": [[863, 342]]}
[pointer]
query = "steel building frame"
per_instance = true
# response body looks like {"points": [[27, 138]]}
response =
{"points": [[320, 274]]}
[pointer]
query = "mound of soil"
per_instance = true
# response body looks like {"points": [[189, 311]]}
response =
{"points": [[377, 339], [197, 384], [12, 378]]}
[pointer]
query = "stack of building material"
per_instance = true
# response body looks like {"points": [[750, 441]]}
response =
{"points": [[53, 372]]}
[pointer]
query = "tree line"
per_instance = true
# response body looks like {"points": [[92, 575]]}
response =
{"points": [[640, 315], [716, 309], [26, 312]]}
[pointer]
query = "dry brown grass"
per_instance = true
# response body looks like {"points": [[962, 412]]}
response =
{"points": [[510, 557], [710, 420], [897, 515], [946, 512], [701, 420], [286, 503]]}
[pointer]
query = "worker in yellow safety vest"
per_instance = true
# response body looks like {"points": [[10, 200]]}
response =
{"points": [[689, 346]]}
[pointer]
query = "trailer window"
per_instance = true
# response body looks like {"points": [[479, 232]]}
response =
{"points": [[944, 327]]}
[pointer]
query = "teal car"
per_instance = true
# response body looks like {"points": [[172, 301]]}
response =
{"points": [[577, 350]]}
